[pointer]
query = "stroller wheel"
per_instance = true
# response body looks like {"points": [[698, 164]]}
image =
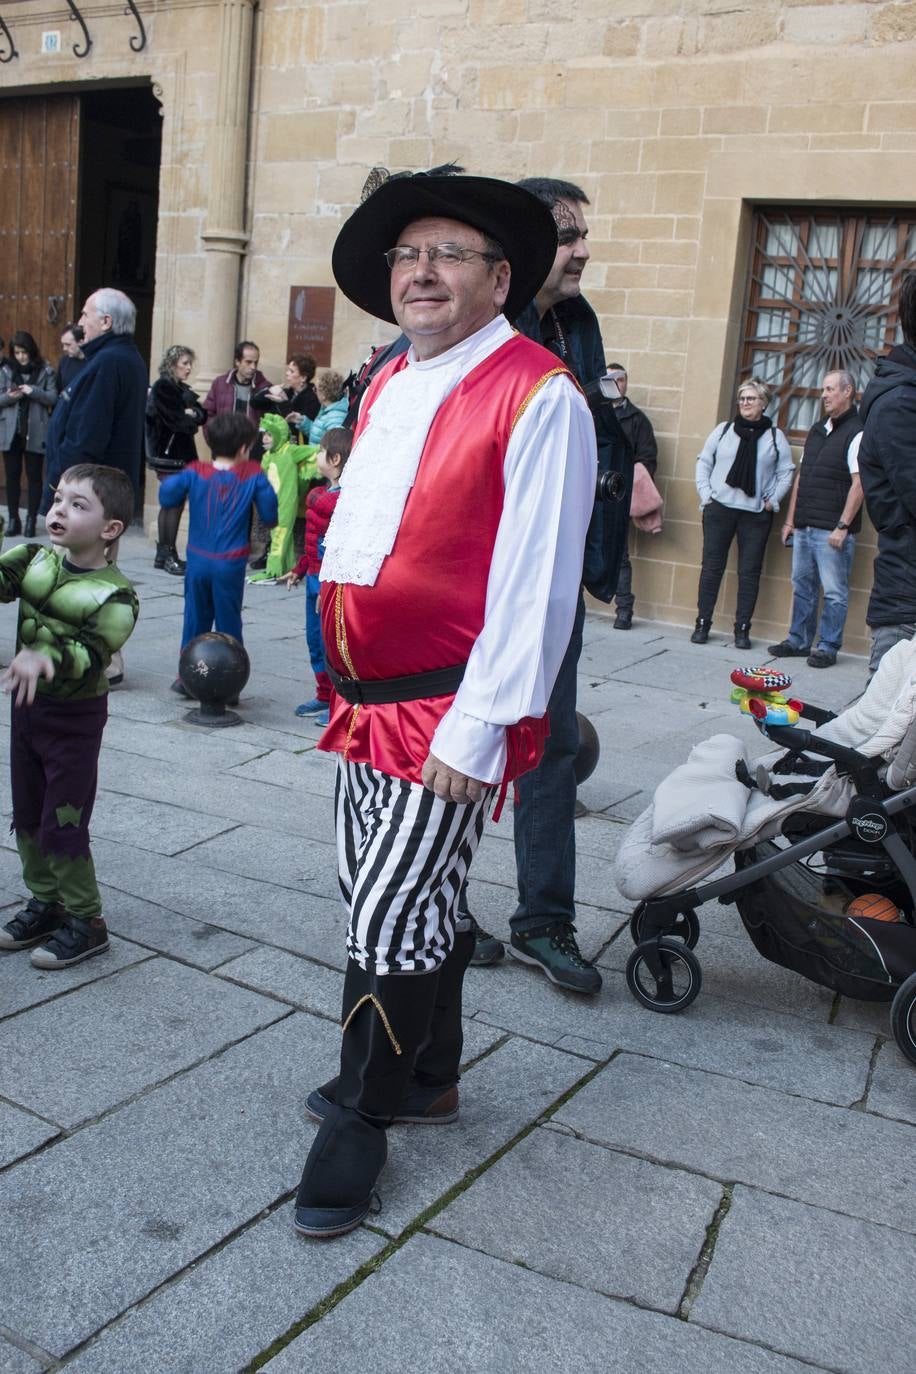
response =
{"points": [[903, 1017], [664, 975], [686, 927]]}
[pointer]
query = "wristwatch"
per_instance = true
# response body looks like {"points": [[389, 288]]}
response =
{"points": [[842, 525]]}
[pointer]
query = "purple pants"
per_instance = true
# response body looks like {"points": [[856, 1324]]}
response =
{"points": [[54, 766]]}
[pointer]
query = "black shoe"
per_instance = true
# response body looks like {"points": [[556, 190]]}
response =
{"points": [[340, 1174], [818, 659], [623, 620], [258, 564], [31, 925], [743, 634], [28, 528], [12, 525], [487, 949], [554, 950], [172, 563], [73, 941], [161, 551], [420, 1106], [786, 649], [701, 631]]}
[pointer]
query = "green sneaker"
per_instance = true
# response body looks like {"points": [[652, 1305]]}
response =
{"points": [[554, 949], [487, 949]]}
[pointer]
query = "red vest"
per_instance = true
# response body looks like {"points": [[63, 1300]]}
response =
{"points": [[426, 608]]}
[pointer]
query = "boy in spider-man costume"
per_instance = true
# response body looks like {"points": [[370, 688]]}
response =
{"points": [[220, 496]]}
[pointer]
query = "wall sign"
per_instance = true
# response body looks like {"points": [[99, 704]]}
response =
{"points": [[311, 322]]}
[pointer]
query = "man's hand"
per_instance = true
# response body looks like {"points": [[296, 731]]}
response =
{"points": [[837, 538], [788, 530], [23, 673], [450, 785]]}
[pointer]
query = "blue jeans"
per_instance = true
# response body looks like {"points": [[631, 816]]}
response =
{"points": [[545, 841], [313, 623], [815, 565]]}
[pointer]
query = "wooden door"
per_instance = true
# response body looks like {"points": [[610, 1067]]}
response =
{"points": [[39, 170]]}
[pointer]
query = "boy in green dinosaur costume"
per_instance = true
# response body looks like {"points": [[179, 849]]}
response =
{"points": [[282, 463], [75, 610]]}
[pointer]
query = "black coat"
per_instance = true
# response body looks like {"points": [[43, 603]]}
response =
{"points": [[887, 467], [640, 435], [304, 402], [99, 417], [170, 430]]}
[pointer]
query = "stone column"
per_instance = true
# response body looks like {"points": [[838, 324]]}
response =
{"points": [[225, 237]]}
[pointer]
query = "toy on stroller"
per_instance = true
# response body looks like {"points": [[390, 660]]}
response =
{"points": [[820, 833]]}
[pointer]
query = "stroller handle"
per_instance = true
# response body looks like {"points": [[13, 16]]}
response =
{"points": [[851, 762]]}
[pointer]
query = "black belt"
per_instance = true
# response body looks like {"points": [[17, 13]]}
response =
{"points": [[376, 691]]}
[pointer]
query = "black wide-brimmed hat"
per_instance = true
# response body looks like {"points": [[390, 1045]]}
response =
{"points": [[519, 221]]}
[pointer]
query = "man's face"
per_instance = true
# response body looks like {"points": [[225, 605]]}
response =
{"points": [[620, 377], [93, 322], [247, 365], [564, 280], [68, 345], [437, 306], [836, 397]]}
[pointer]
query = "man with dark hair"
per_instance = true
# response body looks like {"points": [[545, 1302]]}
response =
{"points": [[235, 390], [639, 434], [559, 317], [822, 521], [887, 466]]}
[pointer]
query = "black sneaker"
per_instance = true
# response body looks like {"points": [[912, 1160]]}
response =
{"points": [[487, 949], [623, 620], [554, 949], [74, 941], [420, 1106], [31, 925], [260, 563], [785, 649], [819, 659]]}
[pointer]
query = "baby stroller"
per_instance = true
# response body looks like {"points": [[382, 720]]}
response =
{"points": [[826, 820]]}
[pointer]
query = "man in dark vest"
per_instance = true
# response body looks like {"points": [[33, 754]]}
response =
{"points": [[822, 521]]}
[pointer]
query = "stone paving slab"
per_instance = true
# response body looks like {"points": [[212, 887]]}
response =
{"points": [[166, 932], [812, 1284], [220, 1314], [893, 1086], [312, 772], [500, 1095], [494, 862], [22, 986], [14, 1360], [627, 1228], [172, 1173], [183, 747], [490, 1317], [20, 1134], [162, 828], [283, 859], [715, 1126], [77, 1056], [759, 1046]]}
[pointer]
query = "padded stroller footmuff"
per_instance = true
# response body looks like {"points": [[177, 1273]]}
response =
{"points": [[790, 923]]}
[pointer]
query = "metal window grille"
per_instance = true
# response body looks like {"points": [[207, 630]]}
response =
{"points": [[822, 294]]}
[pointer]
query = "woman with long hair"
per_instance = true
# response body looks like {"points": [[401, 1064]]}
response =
{"points": [[173, 416], [28, 390]]}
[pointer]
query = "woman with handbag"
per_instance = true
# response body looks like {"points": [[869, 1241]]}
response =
{"points": [[28, 391], [173, 416], [743, 472]]}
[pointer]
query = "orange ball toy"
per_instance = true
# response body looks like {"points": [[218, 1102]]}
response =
{"points": [[874, 906]]}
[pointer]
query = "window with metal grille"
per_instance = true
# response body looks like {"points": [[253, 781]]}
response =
{"points": [[822, 294]]}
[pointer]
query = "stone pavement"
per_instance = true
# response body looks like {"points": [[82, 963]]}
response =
{"points": [[729, 1191]]}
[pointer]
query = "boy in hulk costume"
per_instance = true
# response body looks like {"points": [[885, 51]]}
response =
{"points": [[281, 465], [75, 610]]}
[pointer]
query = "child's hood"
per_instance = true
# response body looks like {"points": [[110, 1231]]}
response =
{"points": [[277, 428]]}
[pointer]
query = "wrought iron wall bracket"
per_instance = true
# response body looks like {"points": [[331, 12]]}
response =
{"points": [[77, 18], [137, 44], [8, 37]]}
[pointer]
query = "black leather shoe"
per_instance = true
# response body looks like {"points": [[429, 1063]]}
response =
{"points": [[818, 659], [701, 631], [172, 563], [340, 1174], [786, 649], [28, 528], [623, 620], [12, 525], [743, 635]]}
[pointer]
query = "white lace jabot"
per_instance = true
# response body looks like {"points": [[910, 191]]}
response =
{"points": [[382, 468]]}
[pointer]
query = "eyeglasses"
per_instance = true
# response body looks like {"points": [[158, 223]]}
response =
{"points": [[447, 254], [749, 400]]}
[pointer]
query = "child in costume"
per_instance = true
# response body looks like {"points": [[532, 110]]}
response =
{"points": [[281, 466], [320, 503], [75, 610], [220, 496]]}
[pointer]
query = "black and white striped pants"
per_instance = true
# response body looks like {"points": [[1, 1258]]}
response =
{"points": [[402, 856]]}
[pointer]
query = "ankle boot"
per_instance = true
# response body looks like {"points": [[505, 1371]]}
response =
{"points": [[701, 631], [28, 529], [12, 525], [172, 563], [742, 634], [386, 1019], [161, 555]]}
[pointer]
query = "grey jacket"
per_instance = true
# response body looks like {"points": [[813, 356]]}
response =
{"points": [[41, 403]]}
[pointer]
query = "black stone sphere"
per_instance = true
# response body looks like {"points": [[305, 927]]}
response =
{"points": [[589, 750], [214, 668]]}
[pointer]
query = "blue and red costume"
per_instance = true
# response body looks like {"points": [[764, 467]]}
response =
{"points": [[219, 513]]}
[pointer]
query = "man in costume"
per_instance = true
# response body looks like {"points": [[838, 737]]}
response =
{"points": [[450, 583]]}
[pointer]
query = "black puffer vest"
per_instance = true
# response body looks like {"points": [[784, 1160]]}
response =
{"points": [[823, 478]]}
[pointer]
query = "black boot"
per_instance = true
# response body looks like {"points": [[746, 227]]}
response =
{"points": [[386, 1019], [162, 551], [742, 634], [12, 525], [701, 631], [28, 528], [172, 563]]}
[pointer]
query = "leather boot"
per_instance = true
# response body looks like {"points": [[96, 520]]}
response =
{"points": [[742, 634], [701, 631], [28, 528], [161, 555], [172, 563], [386, 1019], [12, 525]]}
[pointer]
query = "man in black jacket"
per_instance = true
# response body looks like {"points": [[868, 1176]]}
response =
{"points": [[639, 434], [887, 466]]}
